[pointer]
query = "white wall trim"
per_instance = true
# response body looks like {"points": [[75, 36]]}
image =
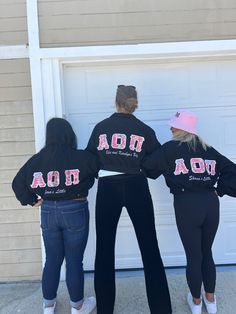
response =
{"points": [[36, 73], [214, 48], [32, 22], [51, 82], [14, 52], [156, 50], [36, 81]]}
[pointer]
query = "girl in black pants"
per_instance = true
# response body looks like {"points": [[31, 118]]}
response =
{"points": [[197, 218], [121, 142], [191, 169]]}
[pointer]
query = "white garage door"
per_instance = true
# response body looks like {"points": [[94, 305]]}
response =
{"points": [[205, 87]]}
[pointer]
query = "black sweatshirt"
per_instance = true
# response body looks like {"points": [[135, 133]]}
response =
{"points": [[121, 142], [61, 174], [188, 170]]}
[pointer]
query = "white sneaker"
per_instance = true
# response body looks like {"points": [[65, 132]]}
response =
{"points": [[88, 306], [49, 309], [210, 306], [195, 308]]}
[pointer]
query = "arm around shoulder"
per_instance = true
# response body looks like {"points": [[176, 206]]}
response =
{"points": [[92, 143], [152, 164], [93, 164], [153, 143]]}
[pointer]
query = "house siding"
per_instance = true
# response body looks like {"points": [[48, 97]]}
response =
{"points": [[81, 23], [13, 22], [20, 244]]}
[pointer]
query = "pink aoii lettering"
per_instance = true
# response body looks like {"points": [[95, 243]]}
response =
{"points": [[197, 165], [118, 141], [37, 180], [210, 167], [180, 167], [103, 142], [136, 143], [72, 177], [53, 179]]}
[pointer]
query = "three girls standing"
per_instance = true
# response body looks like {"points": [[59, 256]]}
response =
{"points": [[61, 175]]}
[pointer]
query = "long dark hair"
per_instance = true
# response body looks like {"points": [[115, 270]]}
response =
{"points": [[59, 133]]}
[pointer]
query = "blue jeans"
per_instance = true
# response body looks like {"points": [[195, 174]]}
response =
{"points": [[65, 226]]}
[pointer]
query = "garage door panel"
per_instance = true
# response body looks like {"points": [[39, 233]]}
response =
{"points": [[96, 93], [173, 253], [161, 195], [158, 121], [217, 127], [229, 131], [202, 84], [168, 83], [205, 87], [129, 255], [226, 77], [83, 126], [224, 247], [230, 251], [127, 251], [74, 89], [230, 237]]}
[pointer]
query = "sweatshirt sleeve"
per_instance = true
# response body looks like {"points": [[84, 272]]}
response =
{"points": [[93, 165], [21, 190], [92, 143], [226, 184], [153, 165], [90, 172], [153, 142]]}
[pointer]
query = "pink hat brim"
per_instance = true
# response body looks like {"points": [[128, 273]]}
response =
{"points": [[180, 126]]}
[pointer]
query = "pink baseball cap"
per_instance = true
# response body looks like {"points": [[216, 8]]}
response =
{"points": [[184, 120]]}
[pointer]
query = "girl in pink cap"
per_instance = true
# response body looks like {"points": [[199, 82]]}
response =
{"points": [[191, 169]]}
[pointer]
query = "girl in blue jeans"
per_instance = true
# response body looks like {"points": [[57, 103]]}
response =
{"points": [[58, 178]]}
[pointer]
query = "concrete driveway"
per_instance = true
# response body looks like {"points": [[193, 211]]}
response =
{"points": [[25, 297]]}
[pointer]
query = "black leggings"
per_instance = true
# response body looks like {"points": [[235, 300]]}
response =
{"points": [[132, 192], [197, 218]]}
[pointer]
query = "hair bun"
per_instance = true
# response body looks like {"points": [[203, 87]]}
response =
{"points": [[126, 97]]}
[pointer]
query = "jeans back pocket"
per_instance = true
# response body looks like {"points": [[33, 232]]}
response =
{"points": [[75, 220]]}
